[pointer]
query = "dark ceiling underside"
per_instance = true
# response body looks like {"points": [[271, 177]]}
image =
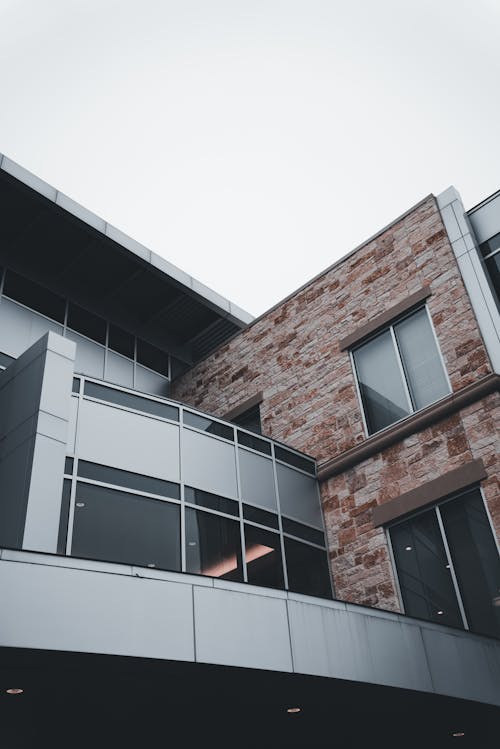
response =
{"points": [[79, 700], [49, 245]]}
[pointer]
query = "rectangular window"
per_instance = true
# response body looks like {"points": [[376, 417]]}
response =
{"points": [[448, 565], [263, 557], [213, 546], [399, 371], [118, 527], [129, 400]]}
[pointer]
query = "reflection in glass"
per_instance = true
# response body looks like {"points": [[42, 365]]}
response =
{"points": [[263, 557], [128, 479], [424, 577], [475, 560], [122, 398], [422, 365], [213, 546], [207, 425], [118, 527], [255, 515], [211, 501], [380, 383], [307, 569]]}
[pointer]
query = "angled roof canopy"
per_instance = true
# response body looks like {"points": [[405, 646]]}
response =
{"points": [[52, 240]]}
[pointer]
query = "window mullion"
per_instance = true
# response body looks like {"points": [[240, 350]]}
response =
{"points": [[411, 407], [452, 569]]}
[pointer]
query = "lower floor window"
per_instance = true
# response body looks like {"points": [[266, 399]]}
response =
{"points": [[448, 565]]}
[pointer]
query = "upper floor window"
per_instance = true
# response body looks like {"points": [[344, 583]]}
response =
{"points": [[399, 371]]}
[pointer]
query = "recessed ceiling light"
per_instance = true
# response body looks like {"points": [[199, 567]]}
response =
{"points": [[80, 504], [440, 612], [14, 691], [456, 734], [294, 709], [408, 548], [447, 566], [151, 565], [192, 543]]}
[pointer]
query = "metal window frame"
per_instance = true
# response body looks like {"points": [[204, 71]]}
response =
{"points": [[436, 509], [399, 358]]}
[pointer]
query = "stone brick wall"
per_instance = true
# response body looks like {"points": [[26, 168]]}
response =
{"points": [[292, 355]]}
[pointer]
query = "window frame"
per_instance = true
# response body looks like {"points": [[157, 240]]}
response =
{"points": [[401, 369], [435, 507]]}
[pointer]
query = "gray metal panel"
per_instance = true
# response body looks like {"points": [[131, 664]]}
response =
{"points": [[299, 496], [241, 629], [95, 612], [119, 370], [89, 356], [127, 440], [397, 653], [257, 479], [34, 403], [208, 463], [150, 382], [456, 661]]}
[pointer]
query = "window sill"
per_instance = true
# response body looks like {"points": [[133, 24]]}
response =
{"points": [[414, 423]]}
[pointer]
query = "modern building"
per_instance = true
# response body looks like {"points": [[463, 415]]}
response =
{"points": [[280, 531]]}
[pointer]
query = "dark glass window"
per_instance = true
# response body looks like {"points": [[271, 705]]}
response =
{"points": [[475, 561], [152, 357], [211, 501], [297, 461], [128, 479], [122, 398], [63, 521], [5, 360], [68, 466], [263, 557], [34, 296], [307, 569], [207, 425], [303, 531], [76, 385], [213, 546], [254, 442], [250, 419], [425, 578], [256, 515], [121, 341], [85, 322], [399, 371], [117, 527]]}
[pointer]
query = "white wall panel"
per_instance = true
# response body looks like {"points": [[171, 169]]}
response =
{"points": [[127, 440], [208, 463]]}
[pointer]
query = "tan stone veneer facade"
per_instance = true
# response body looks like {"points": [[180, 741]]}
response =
{"points": [[296, 356]]}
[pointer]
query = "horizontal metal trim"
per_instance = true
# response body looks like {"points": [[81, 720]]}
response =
{"points": [[432, 491], [414, 423], [385, 318]]}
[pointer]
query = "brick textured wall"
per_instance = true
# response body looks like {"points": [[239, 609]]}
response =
{"points": [[292, 355]]}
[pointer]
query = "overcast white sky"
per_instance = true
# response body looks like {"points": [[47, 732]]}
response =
{"points": [[252, 142]]}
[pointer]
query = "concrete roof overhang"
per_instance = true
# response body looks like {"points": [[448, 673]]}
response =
{"points": [[50, 238], [114, 655]]}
